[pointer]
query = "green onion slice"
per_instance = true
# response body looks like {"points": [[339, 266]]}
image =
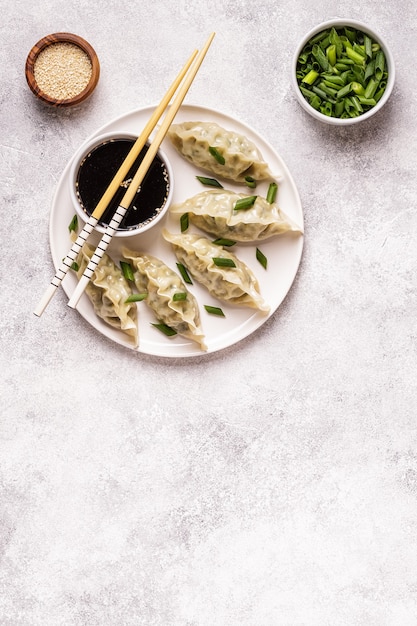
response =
{"points": [[217, 155], [127, 270], [136, 297], [164, 328], [245, 203], [184, 274], [73, 225], [214, 310], [74, 265], [210, 182], [184, 222], [250, 182], [261, 258], [272, 193], [222, 261], [224, 242], [179, 296]]}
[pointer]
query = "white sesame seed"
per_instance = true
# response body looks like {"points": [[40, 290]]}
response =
{"points": [[62, 70]]}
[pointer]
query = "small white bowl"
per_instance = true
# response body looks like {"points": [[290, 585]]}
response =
{"points": [[340, 23], [93, 169]]}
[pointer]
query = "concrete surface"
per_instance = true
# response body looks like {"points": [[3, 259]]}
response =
{"points": [[273, 483]]}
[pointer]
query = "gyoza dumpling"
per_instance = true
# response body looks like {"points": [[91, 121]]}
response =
{"points": [[213, 211], [242, 158], [161, 283], [236, 284], [108, 290]]}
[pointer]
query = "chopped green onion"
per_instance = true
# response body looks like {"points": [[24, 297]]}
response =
{"points": [[327, 108], [368, 46], [355, 56], [344, 91], [357, 88], [222, 261], [329, 91], [74, 265], [261, 258], [331, 54], [379, 64], [210, 182], [224, 242], [310, 77], [217, 155], [167, 330], [179, 296], [184, 274], [214, 310], [371, 88], [184, 222], [272, 193], [339, 66], [367, 101], [359, 49], [127, 270], [320, 57], [250, 182], [331, 80], [320, 93], [136, 297], [73, 225], [245, 203], [369, 70]]}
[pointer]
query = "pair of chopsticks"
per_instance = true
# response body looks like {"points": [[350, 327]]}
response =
{"points": [[194, 62]]}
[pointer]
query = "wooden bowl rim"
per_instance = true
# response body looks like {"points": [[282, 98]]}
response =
{"points": [[64, 38]]}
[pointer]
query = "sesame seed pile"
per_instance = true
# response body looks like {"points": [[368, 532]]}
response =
{"points": [[62, 70]]}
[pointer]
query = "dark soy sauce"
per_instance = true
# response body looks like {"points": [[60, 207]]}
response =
{"points": [[98, 169]]}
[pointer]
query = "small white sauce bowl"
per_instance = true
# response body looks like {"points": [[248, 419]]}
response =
{"points": [[364, 28], [93, 169]]}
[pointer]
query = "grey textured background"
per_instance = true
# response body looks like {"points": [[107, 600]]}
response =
{"points": [[275, 482]]}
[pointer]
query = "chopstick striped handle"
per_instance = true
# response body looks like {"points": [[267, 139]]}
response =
{"points": [[66, 265], [112, 188], [98, 255], [137, 180]]}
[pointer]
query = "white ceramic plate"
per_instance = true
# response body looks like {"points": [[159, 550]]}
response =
{"points": [[283, 253]]}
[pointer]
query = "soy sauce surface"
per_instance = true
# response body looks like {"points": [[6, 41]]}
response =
{"points": [[98, 169]]}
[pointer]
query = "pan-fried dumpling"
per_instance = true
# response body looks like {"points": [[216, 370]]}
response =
{"points": [[213, 211], [242, 158], [108, 290], [161, 283], [235, 285]]}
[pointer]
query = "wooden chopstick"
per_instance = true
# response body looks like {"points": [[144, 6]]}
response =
{"points": [[111, 190], [139, 176]]}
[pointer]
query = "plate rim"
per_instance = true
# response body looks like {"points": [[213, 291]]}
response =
{"points": [[112, 334]]}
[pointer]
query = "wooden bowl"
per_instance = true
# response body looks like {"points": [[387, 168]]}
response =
{"points": [[70, 74]]}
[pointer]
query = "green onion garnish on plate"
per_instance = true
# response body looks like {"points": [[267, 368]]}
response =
{"points": [[136, 297], [222, 261], [184, 274], [214, 310], [127, 270], [224, 242], [261, 258], [217, 155], [210, 182], [73, 225], [184, 222], [164, 328], [179, 296]]}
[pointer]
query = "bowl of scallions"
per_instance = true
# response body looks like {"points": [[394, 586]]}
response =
{"points": [[342, 72]]}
